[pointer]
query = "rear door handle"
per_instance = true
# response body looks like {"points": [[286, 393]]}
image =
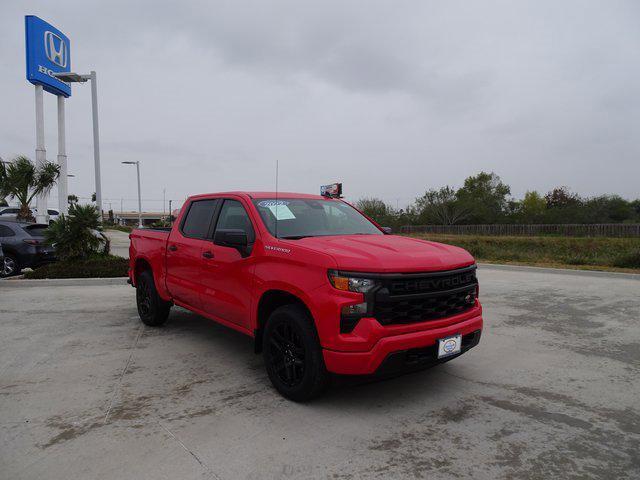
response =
{"points": [[172, 248], [207, 254]]}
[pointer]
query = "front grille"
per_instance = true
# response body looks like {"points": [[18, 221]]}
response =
{"points": [[420, 297]]}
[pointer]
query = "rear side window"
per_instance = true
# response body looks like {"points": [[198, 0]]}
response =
{"points": [[6, 231], [196, 223], [233, 216], [36, 230]]}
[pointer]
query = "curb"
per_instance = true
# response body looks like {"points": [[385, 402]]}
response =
{"points": [[560, 271], [63, 282]]}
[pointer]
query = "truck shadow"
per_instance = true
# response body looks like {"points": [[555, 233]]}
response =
{"points": [[239, 360]]}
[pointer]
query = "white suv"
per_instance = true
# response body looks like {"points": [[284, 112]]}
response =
{"points": [[10, 213]]}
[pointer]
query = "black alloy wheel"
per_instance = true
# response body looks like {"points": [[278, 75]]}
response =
{"points": [[153, 311], [143, 297], [287, 354], [9, 267], [293, 355]]}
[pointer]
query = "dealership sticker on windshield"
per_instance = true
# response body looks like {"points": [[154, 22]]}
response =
{"points": [[278, 208], [449, 346]]}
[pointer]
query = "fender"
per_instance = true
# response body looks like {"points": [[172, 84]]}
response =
{"points": [[284, 287]]}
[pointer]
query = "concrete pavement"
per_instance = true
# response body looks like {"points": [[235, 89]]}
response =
{"points": [[119, 243], [551, 392]]}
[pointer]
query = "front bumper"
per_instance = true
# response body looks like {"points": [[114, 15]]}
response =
{"points": [[399, 351]]}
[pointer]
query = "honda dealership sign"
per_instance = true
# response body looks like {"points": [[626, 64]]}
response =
{"points": [[48, 52]]}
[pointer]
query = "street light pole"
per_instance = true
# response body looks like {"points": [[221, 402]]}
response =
{"points": [[137, 164], [139, 196], [96, 141]]}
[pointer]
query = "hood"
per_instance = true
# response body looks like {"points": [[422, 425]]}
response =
{"points": [[388, 253]]}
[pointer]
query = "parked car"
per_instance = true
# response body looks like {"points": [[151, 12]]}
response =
{"points": [[319, 287], [24, 246], [10, 213]]}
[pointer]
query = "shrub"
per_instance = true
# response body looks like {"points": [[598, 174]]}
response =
{"points": [[99, 266], [628, 260], [76, 236]]}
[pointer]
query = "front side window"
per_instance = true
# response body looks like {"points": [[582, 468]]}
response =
{"points": [[233, 216], [198, 220], [295, 218]]}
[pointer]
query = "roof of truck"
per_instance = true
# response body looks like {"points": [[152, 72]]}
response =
{"points": [[267, 195]]}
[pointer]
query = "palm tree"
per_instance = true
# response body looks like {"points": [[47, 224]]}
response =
{"points": [[76, 236], [23, 181]]}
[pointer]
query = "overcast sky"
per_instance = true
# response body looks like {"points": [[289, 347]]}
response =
{"points": [[392, 97]]}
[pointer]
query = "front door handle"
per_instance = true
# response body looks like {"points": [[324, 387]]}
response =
{"points": [[172, 248], [207, 254]]}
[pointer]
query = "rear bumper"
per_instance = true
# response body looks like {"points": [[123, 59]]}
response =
{"points": [[34, 260], [403, 352]]}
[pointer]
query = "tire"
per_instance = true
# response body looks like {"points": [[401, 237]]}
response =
{"points": [[153, 311], [10, 266], [292, 354]]}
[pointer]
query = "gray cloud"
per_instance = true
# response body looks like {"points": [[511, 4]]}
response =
{"points": [[390, 97]]}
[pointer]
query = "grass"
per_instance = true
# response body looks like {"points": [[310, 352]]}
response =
{"points": [[586, 253], [120, 228], [102, 266]]}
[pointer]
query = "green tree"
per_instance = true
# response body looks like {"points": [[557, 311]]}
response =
{"points": [[532, 208], [635, 206], [561, 197], [71, 199], [23, 181], [378, 210], [440, 207], [484, 198], [76, 236]]}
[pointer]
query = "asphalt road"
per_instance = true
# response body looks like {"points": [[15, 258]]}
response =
{"points": [[552, 391]]}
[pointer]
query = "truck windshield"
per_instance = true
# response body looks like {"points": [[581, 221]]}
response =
{"points": [[302, 217]]}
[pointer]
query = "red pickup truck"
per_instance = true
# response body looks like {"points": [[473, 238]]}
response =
{"points": [[321, 288]]}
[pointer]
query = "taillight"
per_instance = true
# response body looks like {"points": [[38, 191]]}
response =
{"points": [[32, 241]]}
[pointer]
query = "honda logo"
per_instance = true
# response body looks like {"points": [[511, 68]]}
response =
{"points": [[56, 49]]}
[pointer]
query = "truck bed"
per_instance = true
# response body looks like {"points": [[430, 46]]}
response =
{"points": [[149, 244]]}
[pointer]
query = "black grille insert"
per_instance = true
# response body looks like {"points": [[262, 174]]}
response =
{"points": [[413, 298]]}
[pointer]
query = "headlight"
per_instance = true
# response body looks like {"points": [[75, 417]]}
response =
{"points": [[351, 284]]}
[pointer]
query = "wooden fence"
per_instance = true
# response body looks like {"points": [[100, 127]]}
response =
{"points": [[568, 230]]}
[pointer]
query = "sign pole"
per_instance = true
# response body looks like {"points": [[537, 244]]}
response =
{"points": [[96, 142], [63, 190], [42, 215]]}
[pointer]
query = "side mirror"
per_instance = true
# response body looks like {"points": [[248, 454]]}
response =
{"points": [[387, 230], [231, 238]]}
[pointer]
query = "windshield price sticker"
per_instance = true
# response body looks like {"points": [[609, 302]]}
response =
{"points": [[272, 203], [282, 212], [278, 208]]}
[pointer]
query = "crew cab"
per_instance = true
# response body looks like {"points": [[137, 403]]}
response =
{"points": [[321, 288]]}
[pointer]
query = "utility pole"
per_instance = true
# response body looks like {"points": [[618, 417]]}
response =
{"points": [[137, 164]]}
